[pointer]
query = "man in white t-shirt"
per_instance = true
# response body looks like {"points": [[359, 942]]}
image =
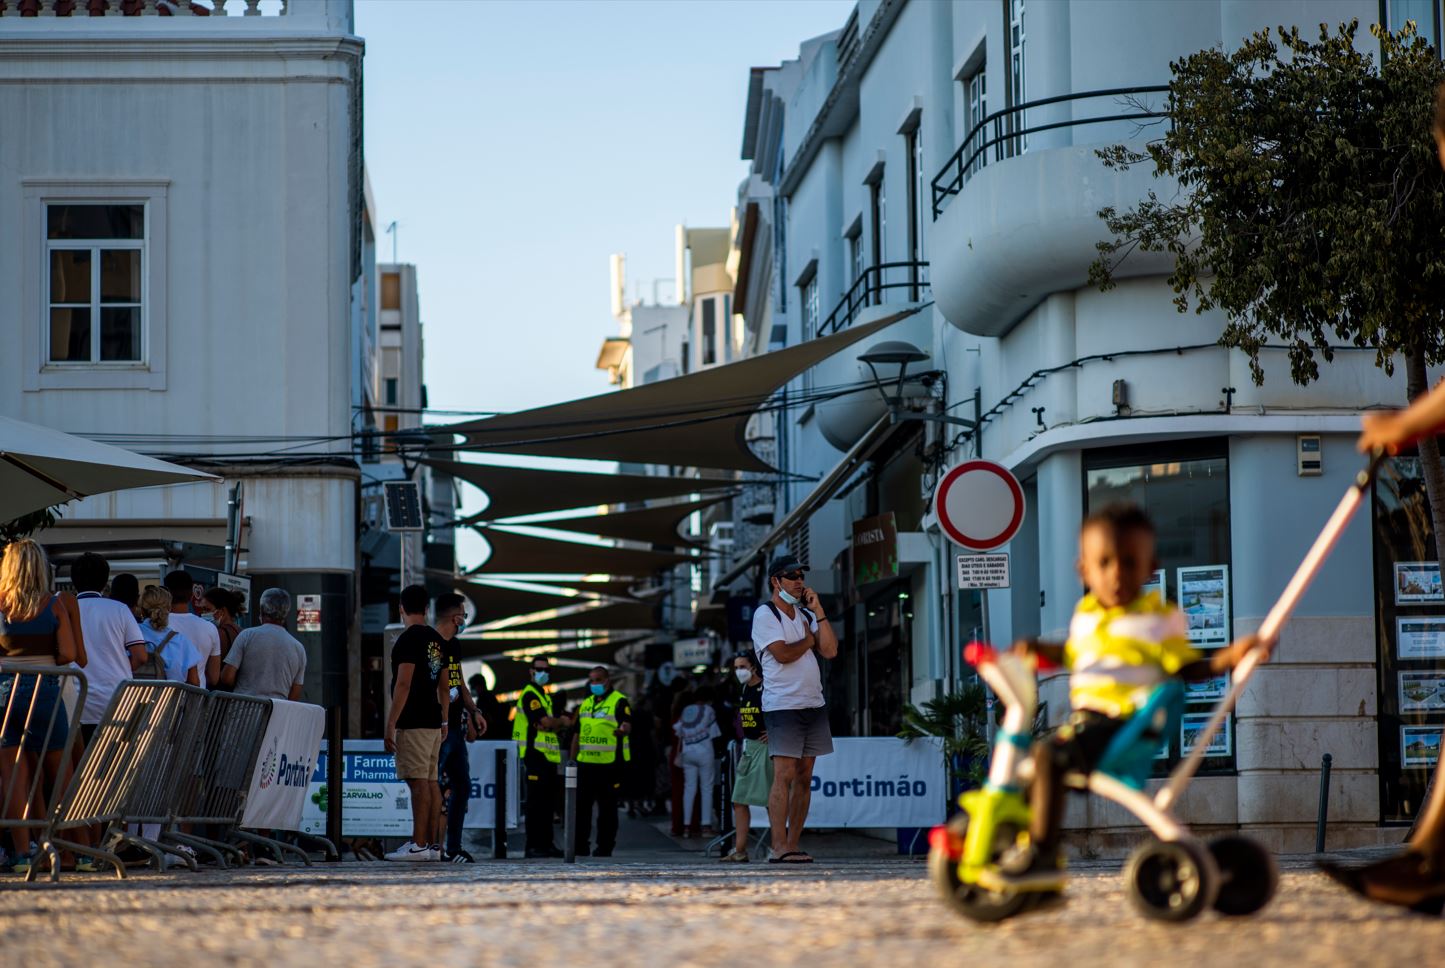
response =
{"points": [[203, 634], [114, 646], [790, 632]]}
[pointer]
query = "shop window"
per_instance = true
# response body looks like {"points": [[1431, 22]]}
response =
{"points": [[1185, 491]]}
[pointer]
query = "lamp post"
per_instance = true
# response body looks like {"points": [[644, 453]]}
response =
{"points": [[901, 353]]}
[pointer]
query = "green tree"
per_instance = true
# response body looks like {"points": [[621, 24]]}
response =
{"points": [[1310, 206], [27, 524]]}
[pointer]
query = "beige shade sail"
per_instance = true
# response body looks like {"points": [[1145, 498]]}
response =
{"points": [[618, 588], [697, 420], [516, 491], [516, 553], [495, 602], [622, 615], [657, 525]]}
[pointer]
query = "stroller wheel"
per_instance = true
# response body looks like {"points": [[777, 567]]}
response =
{"points": [[1247, 875], [1171, 881], [970, 900]]}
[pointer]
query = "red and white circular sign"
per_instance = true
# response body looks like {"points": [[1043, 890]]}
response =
{"points": [[980, 504]]}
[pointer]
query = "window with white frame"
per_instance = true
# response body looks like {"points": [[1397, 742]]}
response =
{"points": [[878, 218], [975, 108], [856, 263], [1014, 12], [95, 283], [1425, 14], [810, 307], [913, 144]]}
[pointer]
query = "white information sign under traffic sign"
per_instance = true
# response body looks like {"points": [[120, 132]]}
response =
{"points": [[983, 571], [980, 505]]}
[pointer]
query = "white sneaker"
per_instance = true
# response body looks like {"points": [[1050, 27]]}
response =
{"points": [[411, 852]]}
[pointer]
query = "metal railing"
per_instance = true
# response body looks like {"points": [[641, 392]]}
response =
{"points": [[872, 287], [35, 724], [1004, 133]]}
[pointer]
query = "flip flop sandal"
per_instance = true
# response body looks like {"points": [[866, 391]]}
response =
{"points": [[791, 857]]}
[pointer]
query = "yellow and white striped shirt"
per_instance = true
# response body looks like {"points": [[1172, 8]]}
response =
{"points": [[1118, 655]]}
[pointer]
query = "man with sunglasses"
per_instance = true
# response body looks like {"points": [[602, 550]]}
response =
{"points": [[464, 724], [790, 632]]}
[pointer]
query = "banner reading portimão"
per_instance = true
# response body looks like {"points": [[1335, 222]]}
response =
{"points": [[284, 764], [877, 781]]}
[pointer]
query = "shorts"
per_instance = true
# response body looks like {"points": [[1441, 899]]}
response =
{"points": [[26, 726], [416, 753], [796, 733], [1080, 744], [755, 775]]}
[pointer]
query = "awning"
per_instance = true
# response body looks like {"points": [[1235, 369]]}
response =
{"points": [[697, 420], [621, 588], [494, 602], [649, 525], [516, 491], [516, 553], [623, 615]]}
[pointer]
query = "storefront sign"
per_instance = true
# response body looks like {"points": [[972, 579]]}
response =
{"points": [[308, 613], [691, 652], [877, 781], [983, 571], [284, 766], [377, 804], [875, 549]]}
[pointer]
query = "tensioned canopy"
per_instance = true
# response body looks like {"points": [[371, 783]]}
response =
{"points": [[696, 420], [516, 553], [515, 491], [623, 615], [619, 588], [657, 525], [493, 602]]}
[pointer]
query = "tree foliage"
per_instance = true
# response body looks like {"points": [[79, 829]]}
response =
{"points": [[1310, 202], [27, 524]]}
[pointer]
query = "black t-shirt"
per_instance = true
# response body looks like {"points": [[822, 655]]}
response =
{"points": [[458, 707], [427, 652], [750, 711]]}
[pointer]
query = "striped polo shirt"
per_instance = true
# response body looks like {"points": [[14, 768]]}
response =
{"points": [[1118, 655]]}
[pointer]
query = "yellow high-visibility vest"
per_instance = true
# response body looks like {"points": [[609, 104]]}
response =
{"points": [[597, 740], [523, 728]]}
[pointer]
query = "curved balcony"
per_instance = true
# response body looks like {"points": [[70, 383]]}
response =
{"points": [[1016, 207]]}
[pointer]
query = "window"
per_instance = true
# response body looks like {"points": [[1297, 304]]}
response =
{"points": [[390, 423], [810, 307], [391, 396], [94, 282], [913, 147], [878, 218], [1425, 13], [855, 255], [1014, 15], [975, 108], [391, 290], [709, 332]]}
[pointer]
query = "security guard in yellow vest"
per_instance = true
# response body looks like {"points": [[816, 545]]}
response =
{"points": [[535, 730], [600, 747]]}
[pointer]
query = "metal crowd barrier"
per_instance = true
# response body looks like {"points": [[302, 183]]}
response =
{"points": [[38, 718]]}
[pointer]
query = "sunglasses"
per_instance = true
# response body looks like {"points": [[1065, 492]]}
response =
{"points": [[791, 575]]}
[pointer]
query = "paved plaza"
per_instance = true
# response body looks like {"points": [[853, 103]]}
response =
{"points": [[869, 911]]}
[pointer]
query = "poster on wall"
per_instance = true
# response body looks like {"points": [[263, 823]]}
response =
{"points": [[1204, 598], [1222, 744], [1156, 584], [1417, 581], [1422, 692], [1420, 638], [1210, 689], [1419, 745]]}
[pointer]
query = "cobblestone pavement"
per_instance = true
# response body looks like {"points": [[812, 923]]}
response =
{"points": [[851, 912]]}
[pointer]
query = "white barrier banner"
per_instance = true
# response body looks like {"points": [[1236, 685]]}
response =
{"points": [[377, 804], [877, 781], [284, 764]]}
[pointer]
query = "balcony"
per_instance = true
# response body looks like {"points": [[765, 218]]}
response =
{"points": [[885, 283], [1016, 206]]}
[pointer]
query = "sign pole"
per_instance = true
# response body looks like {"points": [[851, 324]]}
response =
{"points": [[988, 696]]}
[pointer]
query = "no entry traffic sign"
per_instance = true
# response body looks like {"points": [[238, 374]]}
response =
{"points": [[980, 504]]}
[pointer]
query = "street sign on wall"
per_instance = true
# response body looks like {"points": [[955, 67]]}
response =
{"points": [[980, 505]]}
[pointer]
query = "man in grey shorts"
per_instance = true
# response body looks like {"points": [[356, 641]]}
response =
{"points": [[789, 633]]}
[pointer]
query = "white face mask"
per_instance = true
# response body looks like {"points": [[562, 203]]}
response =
{"points": [[744, 675], [790, 599]]}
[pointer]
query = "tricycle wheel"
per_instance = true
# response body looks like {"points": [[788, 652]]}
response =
{"points": [[1171, 881], [970, 900], [1247, 875]]}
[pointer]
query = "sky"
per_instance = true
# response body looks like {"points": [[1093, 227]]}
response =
{"points": [[517, 145]]}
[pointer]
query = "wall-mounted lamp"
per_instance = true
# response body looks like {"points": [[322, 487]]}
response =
{"points": [[900, 353]]}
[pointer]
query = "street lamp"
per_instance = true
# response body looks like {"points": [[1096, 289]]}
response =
{"points": [[900, 353]]}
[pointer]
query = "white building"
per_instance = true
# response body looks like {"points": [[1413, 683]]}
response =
{"points": [[1088, 397]]}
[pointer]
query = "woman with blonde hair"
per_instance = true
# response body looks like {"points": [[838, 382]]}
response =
{"points": [[36, 631], [180, 658]]}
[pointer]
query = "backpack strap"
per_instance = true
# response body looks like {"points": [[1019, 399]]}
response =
{"points": [[777, 613], [161, 645]]}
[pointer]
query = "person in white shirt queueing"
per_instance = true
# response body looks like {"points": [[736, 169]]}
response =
{"points": [[790, 632]]}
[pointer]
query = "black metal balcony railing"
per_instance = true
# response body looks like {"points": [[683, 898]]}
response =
{"points": [[1003, 133], [871, 288]]}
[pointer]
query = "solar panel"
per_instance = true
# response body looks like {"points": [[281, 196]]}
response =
{"points": [[403, 506]]}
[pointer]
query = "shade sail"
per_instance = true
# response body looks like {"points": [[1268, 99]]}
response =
{"points": [[623, 615], [494, 602], [697, 420], [621, 588], [515, 491], [657, 525], [40, 467], [516, 553]]}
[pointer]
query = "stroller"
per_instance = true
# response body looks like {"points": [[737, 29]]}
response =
{"points": [[1170, 877]]}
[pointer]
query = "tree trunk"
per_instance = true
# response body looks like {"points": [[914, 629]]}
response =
{"points": [[1417, 384]]}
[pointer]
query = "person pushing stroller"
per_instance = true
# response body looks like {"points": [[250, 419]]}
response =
{"points": [[1122, 643]]}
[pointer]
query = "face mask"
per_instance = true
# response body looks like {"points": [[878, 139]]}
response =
{"points": [[597, 688], [540, 678], [744, 675], [790, 599]]}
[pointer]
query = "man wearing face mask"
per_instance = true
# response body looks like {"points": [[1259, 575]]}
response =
{"points": [[535, 730], [790, 633], [600, 747]]}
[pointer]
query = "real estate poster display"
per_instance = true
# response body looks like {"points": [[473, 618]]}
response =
{"points": [[1156, 584], [1422, 692], [1417, 581], [1419, 745], [1204, 598], [1420, 638], [1213, 688], [1193, 724]]}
